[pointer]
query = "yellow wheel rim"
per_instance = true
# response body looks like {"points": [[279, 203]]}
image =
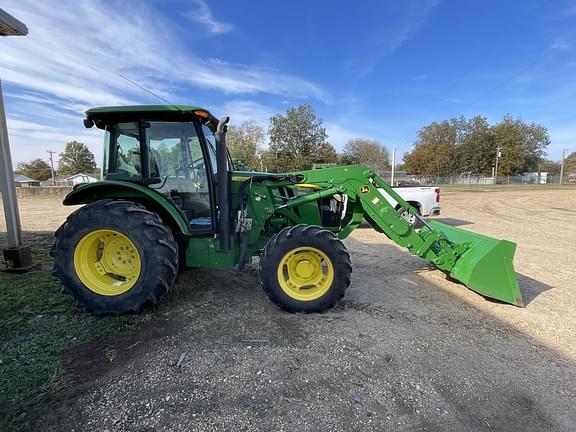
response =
{"points": [[107, 262], [305, 273]]}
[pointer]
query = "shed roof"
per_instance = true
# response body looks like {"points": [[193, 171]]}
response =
{"points": [[10, 26], [23, 179]]}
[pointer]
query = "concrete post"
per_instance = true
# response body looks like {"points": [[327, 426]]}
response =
{"points": [[7, 183], [17, 256]]}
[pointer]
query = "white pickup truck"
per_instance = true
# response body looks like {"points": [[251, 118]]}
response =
{"points": [[426, 200]]}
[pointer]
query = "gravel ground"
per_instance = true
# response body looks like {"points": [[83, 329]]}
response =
{"points": [[405, 350]]}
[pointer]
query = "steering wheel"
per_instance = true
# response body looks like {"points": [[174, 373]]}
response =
{"points": [[194, 165]]}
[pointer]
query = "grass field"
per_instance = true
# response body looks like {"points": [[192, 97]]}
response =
{"points": [[37, 323]]}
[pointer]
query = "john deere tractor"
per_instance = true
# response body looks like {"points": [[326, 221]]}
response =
{"points": [[170, 199]]}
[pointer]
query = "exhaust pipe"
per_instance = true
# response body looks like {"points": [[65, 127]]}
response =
{"points": [[223, 183]]}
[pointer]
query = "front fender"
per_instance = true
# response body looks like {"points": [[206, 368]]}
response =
{"points": [[152, 200]]}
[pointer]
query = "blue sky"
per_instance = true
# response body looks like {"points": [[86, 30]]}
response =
{"points": [[375, 69]]}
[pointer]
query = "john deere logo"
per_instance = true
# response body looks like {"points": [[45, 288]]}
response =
{"points": [[364, 189]]}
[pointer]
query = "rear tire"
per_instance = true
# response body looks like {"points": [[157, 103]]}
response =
{"points": [[114, 257], [305, 269]]}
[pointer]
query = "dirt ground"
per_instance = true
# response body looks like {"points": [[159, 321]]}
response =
{"points": [[406, 349]]}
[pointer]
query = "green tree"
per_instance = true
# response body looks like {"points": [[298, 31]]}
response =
{"points": [[475, 150], [367, 152], [245, 143], [570, 164], [433, 153], [326, 154], [297, 140], [551, 167], [522, 145], [36, 169], [462, 146], [76, 158]]}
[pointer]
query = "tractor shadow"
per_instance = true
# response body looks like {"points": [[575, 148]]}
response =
{"points": [[531, 288], [393, 261]]}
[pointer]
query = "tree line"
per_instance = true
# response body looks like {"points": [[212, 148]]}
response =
{"points": [[297, 140], [570, 164], [76, 158], [459, 146], [462, 146]]}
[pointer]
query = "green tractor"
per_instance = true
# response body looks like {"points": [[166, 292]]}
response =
{"points": [[170, 199]]}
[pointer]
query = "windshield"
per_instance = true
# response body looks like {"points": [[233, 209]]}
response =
{"points": [[174, 157]]}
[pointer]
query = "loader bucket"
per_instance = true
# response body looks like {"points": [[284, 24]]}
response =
{"points": [[487, 266]]}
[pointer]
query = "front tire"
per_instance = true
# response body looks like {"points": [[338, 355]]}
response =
{"points": [[305, 269], [114, 257]]}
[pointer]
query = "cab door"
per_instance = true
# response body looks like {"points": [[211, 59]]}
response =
{"points": [[179, 158]]}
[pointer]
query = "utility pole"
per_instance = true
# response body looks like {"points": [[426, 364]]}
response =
{"points": [[52, 167], [393, 167], [562, 165], [496, 166]]}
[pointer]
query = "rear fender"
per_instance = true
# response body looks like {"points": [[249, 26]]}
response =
{"points": [[152, 200]]}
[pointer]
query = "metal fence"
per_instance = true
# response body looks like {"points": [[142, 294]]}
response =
{"points": [[411, 180]]}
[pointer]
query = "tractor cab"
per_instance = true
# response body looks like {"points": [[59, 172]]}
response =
{"points": [[170, 149]]}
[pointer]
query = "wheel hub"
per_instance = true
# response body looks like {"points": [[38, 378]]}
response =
{"points": [[107, 262], [304, 269], [305, 273]]}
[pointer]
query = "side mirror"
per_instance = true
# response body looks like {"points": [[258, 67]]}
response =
{"points": [[222, 124]]}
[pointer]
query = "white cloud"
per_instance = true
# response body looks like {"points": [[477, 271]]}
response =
{"points": [[390, 38], [29, 140], [561, 138], [75, 52], [243, 110], [78, 50], [560, 44], [203, 15], [339, 135]]}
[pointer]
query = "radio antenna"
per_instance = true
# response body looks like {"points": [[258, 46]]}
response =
{"points": [[148, 91]]}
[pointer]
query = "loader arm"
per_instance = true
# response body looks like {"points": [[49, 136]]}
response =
{"points": [[482, 263]]}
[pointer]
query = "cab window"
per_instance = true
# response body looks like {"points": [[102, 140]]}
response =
{"points": [[123, 146]]}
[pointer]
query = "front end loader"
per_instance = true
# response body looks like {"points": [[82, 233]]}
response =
{"points": [[170, 199]]}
